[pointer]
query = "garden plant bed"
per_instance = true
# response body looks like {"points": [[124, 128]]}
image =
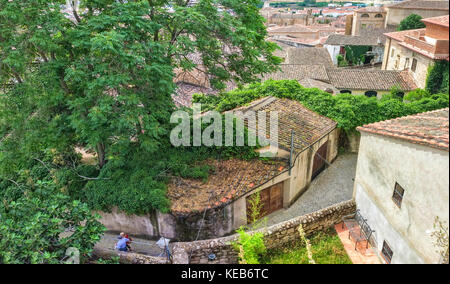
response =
{"points": [[326, 248]]}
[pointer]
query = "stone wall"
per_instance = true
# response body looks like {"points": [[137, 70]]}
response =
{"points": [[129, 257], [218, 222], [276, 236]]}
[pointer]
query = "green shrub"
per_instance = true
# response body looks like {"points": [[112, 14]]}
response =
{"points": [[411, 22], [250, 246], [437, 79], [39, 223], [417, 95]]}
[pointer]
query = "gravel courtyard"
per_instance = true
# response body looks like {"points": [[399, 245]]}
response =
{"points": [[333, 185]]}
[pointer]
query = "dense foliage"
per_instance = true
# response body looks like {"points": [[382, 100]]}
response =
{"points": [[348, 110], [437, 80], [99, 77], [356, 55], [411, 22], [38, 223]]}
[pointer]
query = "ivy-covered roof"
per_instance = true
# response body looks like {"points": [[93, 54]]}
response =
{"points": [[230, 180]]}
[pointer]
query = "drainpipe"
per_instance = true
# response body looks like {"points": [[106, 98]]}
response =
{"points": [[387, 56], [292, 151]]}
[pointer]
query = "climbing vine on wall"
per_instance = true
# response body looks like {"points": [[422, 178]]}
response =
{"points": [[437, 80]]}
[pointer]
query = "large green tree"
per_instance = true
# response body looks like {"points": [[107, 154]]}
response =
{"points": [[99, 75], [411, 22]]}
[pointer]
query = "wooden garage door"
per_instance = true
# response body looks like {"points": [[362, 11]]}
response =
{"points": [[271, 200], [319, 160]]}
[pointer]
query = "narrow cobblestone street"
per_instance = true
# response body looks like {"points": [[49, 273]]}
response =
{"points": [[332, 186]]}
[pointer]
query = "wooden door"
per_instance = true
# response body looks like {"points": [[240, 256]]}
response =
{"points": [[271, 200], [319, 160]]}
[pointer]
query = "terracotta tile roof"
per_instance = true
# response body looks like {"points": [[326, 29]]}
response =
{"points": [[421, 5], [308, 125], [378, 80], [309, 56], [400, 36], [429, 128], [298, 72], [441, 21], [229, 180]]}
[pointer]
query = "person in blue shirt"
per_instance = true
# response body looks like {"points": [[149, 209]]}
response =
{"points": [[122, 243]]}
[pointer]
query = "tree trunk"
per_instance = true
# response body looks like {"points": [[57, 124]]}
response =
{"points": [[101, 155]]}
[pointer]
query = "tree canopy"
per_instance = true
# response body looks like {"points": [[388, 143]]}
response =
{"points": [[411, 22], [99, 76]]}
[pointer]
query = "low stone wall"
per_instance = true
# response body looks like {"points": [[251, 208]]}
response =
{"points": [[218, 222], [129, 257], [275, 236]]}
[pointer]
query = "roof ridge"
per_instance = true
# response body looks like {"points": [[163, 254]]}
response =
{"points": [[407, 116]]}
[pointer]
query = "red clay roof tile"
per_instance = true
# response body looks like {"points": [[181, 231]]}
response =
{"points": [[429, 128]]}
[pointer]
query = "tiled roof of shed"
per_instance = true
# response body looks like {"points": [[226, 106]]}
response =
{"points": [[230, 180], [378, 80], [308, 125], [429, 128]]}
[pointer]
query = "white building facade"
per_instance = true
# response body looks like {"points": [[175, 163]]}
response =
{"points": [[402, 185]]}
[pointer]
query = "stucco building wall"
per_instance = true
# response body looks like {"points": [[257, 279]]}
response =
{"points": [[375, 20], [397, 57], [423, 173], [395, 16]]}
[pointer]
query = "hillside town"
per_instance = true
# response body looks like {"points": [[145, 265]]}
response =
{"points": [[224, 132]]}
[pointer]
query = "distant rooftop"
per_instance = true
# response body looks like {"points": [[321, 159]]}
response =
{"points": [[422, 5], [339, 39], [379, 80], [292, 28], [429, 128], [309, 56], [371, 9], [298, 72]]}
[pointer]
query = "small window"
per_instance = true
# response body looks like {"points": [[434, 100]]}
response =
{"points": [[365, 16], [392, 52], [414, 65], [406, 64], [378, 16], [398, 195], [386, 252], [370, 94]]}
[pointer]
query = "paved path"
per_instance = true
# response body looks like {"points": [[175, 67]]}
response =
{"points": [[332, 186]]}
